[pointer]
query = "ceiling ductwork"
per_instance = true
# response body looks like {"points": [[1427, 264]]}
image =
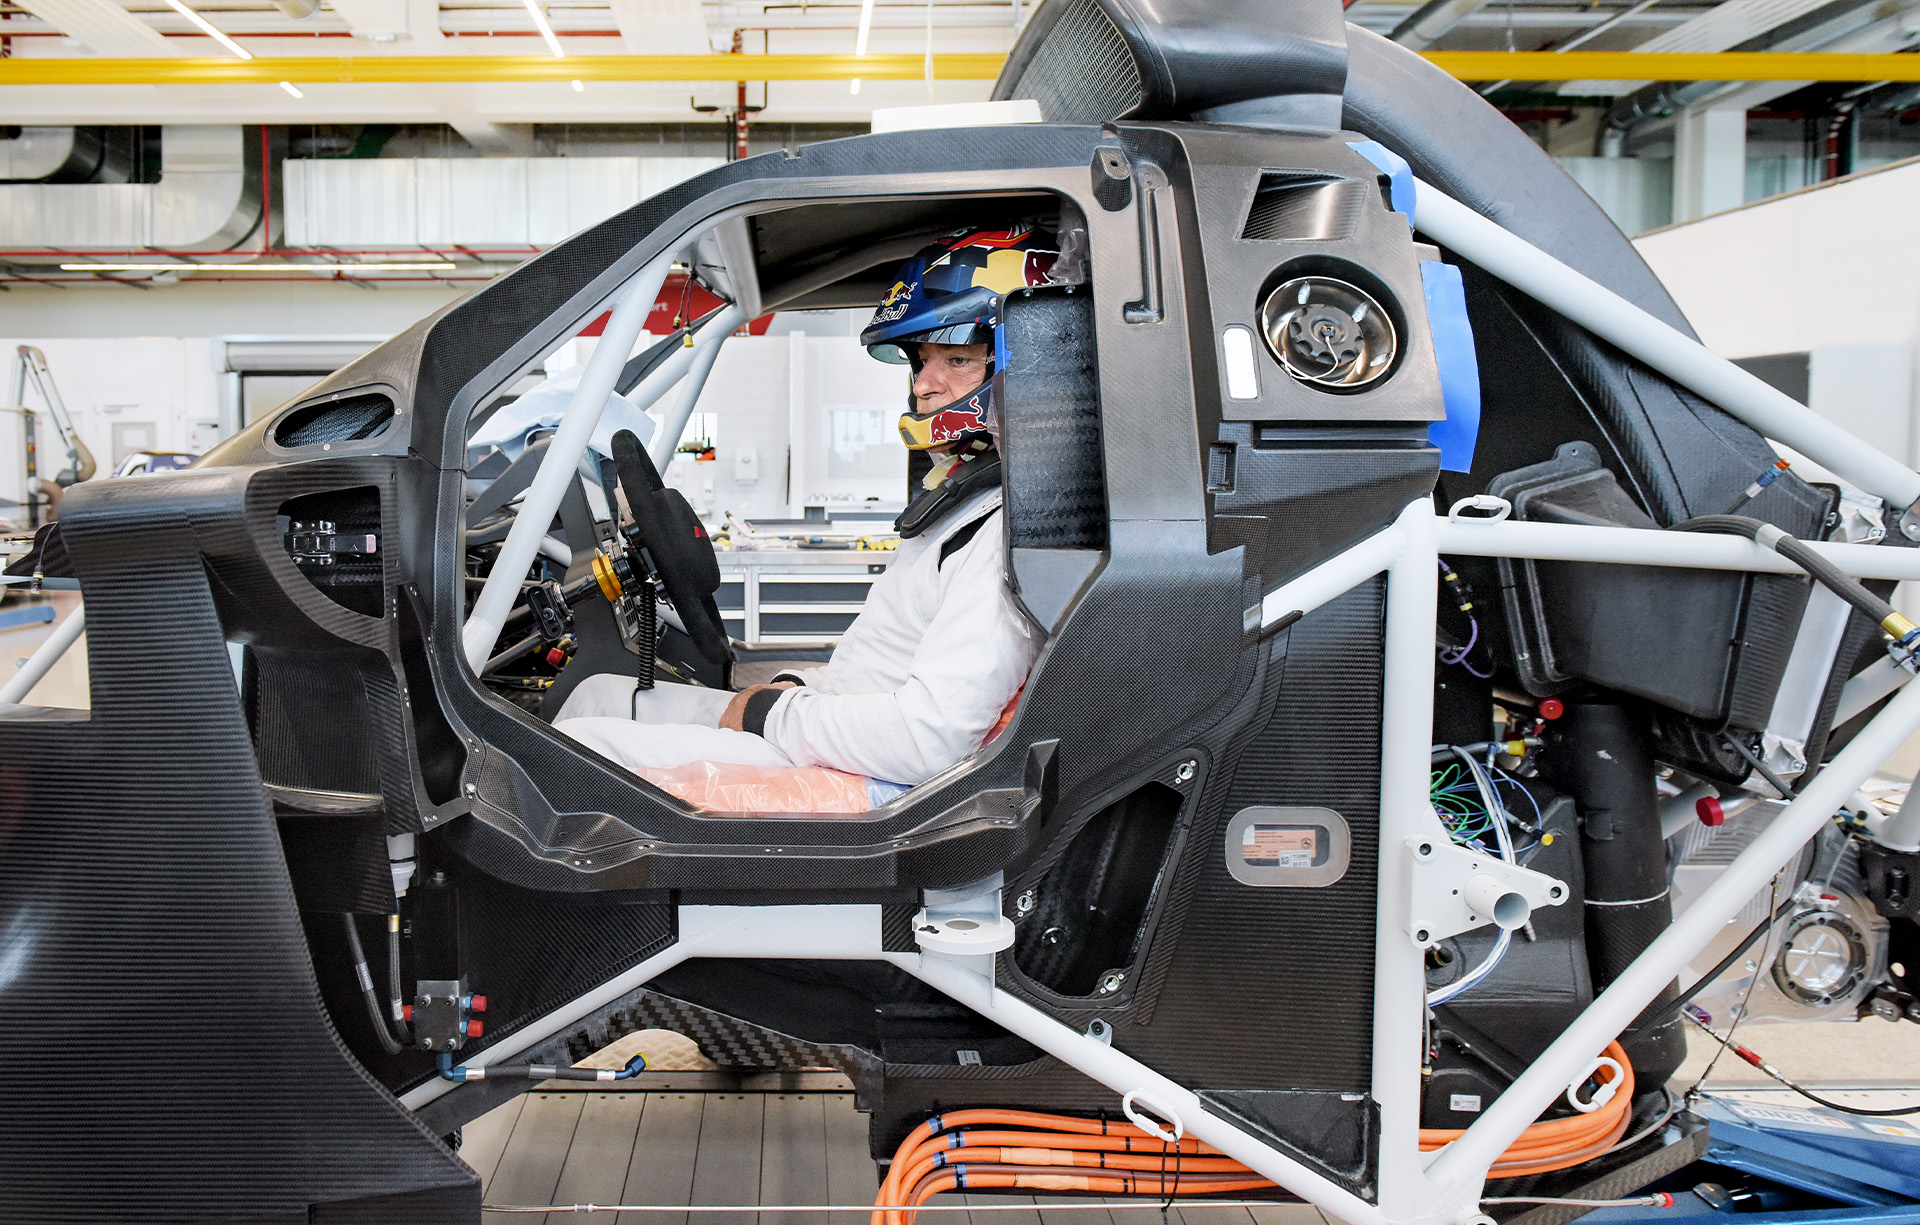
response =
{"points": [[441, 202], [1870, 27], [207, 198]]}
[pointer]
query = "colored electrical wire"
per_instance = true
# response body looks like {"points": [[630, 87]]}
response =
{"points": [[538, 1071], [1462, 600], [1497, 819], [1754, 1060], [1557, 1144]]}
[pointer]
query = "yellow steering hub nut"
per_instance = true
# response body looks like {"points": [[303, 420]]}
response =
{"points": [[609, 581]]}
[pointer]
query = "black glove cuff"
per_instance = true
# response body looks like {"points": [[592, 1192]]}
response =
{"points": [[791, 677], [759, 706]]}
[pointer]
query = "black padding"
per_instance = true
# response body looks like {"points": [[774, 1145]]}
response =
{"points": [[1056, 491], [678, 544], [684, 538]]}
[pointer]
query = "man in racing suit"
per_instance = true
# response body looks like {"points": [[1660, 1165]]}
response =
{"points": [[941, 647]]}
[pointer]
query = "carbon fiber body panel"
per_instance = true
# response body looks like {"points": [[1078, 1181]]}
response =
{"points": [[148, 911]]}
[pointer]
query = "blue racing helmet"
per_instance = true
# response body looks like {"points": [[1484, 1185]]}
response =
{"points": [[950, 293]]}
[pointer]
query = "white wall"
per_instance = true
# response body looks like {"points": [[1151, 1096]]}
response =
{"points": [[111, 369], [1832, 271], [146, 360], [153, 388]]}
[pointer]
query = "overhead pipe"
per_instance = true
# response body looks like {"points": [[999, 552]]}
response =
{"points": [[409, 69], [1432, 20], [1794, 38]]}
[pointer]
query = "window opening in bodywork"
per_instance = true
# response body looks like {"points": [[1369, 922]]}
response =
{"points": [[859, 441]]}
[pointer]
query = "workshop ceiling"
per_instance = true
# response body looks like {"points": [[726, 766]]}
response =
{"points": [[651, 61]]}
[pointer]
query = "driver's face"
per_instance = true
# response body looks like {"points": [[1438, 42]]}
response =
{"points": [[948, 372]]}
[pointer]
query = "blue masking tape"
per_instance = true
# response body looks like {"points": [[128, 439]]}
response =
{"points": [[1459, 367], [1400, 192]]}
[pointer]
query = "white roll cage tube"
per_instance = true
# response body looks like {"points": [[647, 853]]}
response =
{"points": [[21, 683], [561, 463], [1443, 1188], [706, 349]]}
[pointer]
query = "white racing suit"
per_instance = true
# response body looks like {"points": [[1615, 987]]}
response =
{"points": [[916, 683]]}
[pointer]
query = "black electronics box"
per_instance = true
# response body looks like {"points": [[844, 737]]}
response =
{"points": [[1711, 644]]}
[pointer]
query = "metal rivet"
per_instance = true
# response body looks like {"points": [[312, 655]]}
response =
{"points": [[1111, 981], [1183, 773], [1026, 902]]}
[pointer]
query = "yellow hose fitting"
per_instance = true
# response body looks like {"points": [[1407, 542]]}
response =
{"points": [[1898, 626]]}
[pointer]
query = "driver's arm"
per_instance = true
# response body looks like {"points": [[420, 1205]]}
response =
{"points": [[973, 659]]}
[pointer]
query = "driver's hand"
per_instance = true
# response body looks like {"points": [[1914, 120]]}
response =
{"points": [[737, 709]]}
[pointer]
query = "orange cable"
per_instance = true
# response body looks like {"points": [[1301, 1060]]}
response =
{"points": [[1051, 1152]]}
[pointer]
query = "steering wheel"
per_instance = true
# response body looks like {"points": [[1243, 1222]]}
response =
{"points": [[678, 547]]}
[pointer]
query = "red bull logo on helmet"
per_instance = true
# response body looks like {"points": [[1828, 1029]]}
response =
{"points": [[895, 304]]}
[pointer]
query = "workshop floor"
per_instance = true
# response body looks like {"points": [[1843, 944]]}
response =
{"points": [[666, 1148]]}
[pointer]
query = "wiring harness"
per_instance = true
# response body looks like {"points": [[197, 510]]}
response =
{"points": [[972, 1150]]}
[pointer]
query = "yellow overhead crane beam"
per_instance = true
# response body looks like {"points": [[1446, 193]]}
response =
{"points": [[398, 69]]}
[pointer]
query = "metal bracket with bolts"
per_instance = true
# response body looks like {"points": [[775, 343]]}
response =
{"points": [[1456, 889]]}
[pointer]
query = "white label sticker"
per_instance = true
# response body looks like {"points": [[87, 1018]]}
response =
{"points": [[1789, 1114], [1279, 846], [1464, 1103]]}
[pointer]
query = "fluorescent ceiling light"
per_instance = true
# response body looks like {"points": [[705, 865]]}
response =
{"points": [[206, 27], [539, 19], [866, 27], [413, 267], [292, 89]]}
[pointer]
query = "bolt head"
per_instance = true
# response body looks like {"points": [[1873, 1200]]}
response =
{"points": [[1184, 771], [1025, 903]]}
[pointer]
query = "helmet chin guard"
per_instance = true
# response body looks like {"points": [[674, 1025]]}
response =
{"points": [[973, 418]]}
